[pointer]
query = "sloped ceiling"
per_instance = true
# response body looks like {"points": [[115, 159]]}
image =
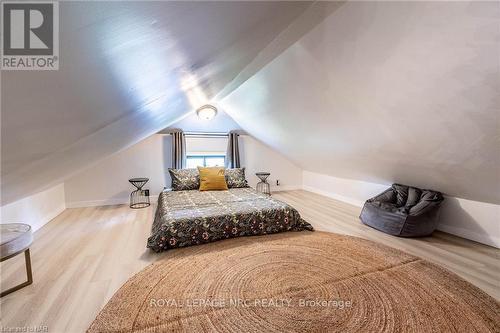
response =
{"points": [[222, 123], [128, 70], [387, 92]]}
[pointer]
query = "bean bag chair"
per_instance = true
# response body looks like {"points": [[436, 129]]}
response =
{"points": [[403, 211]]}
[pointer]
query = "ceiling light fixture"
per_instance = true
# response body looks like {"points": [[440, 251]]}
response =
{"points": [[207, 112]]}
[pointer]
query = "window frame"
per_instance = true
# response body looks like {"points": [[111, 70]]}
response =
{"points": [[205, 156]]}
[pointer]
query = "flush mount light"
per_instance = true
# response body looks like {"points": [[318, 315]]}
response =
{"points": [[207, 112]]}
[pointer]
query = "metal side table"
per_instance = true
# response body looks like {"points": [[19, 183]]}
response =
{"points": [[139, 198], [263, 186], [16, 238]]}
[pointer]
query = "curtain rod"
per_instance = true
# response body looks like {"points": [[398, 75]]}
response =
{"points": [[206, 134]]}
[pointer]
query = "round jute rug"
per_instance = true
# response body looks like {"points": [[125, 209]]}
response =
{"points": [[296, 282]]}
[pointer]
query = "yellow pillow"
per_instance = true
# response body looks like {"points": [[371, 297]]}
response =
{"points": [[212, 179]]}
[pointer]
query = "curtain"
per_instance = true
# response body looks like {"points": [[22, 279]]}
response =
{"points": [[233, 151], [178, 150]]}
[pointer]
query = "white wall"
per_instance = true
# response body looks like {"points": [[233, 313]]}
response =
{"points": [[37, 209], [351, 191], [384, 91], [469, 219], [255, 157], [473, 220], [106, 182]]}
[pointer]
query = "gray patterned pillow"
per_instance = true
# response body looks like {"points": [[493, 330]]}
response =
{"points": [[184, 179], [236, 178]]}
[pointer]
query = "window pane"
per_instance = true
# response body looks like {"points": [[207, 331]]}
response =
{"points": [[212, 161], [194, 161]]}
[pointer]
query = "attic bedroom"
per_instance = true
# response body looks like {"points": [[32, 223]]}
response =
{"points": [[260, 166]]}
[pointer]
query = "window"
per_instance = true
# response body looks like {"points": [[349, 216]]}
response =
{"points": [[193, 161]]}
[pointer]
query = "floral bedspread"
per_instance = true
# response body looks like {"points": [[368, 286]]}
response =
{"points": [[185, 218]]}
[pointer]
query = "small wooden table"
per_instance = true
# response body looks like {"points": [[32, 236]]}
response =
{"points": [[16, 238]]}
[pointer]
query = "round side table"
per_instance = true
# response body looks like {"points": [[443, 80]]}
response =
{"points": [[139, 198], [16, 238], [263, 186]]}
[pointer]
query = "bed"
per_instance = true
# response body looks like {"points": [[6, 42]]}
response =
{"points": [[192, 217]]}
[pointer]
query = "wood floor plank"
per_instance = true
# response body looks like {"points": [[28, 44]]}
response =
{"points": [[84, 255]]}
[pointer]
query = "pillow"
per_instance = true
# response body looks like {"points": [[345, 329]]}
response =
{"points": [[236, 178], [212, 179], [184, 179], [413, 196]]}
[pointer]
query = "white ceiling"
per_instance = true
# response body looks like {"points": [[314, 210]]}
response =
{"points": [[127, 70], [379, 91], [387, 92], [221, 123]]}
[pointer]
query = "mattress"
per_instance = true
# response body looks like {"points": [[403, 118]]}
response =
{"points": [[185, 218]]}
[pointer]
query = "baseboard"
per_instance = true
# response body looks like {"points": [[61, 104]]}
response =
{"points": [[285, 188], [95, 203], [333, 195], [37, 209], [152, 198], [446, 215], [467, 234], [457, 231], [49, 217], [477, 221], [107, 202]]}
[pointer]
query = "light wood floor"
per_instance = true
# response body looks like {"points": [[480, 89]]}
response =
{"points": [[85, 254]]}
